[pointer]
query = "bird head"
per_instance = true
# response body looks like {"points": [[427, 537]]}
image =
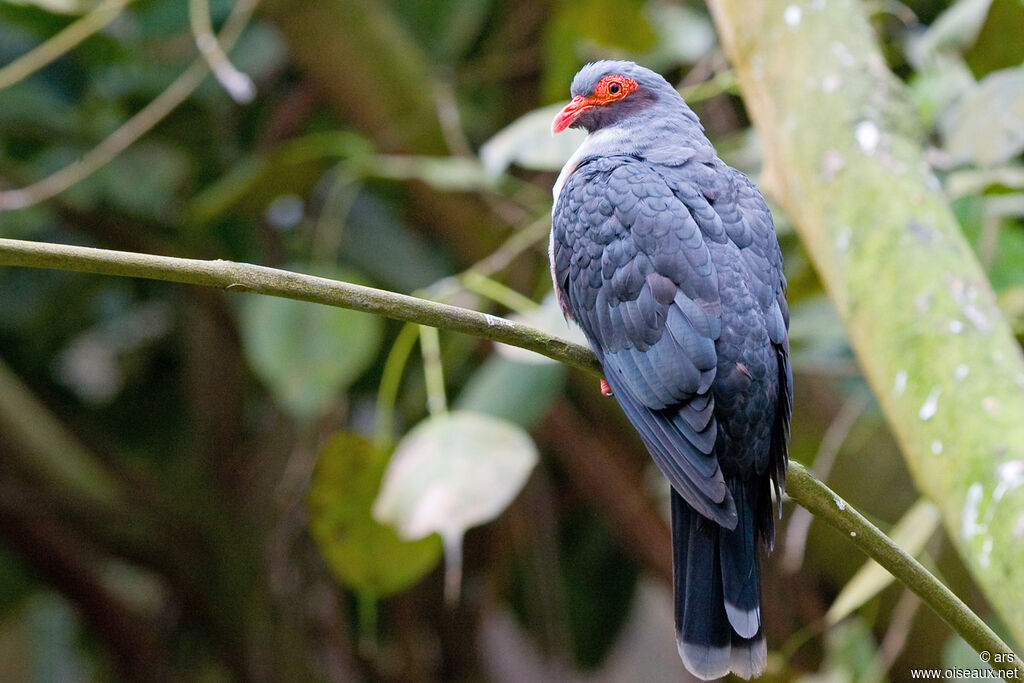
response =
{"points": [[609, 92]]}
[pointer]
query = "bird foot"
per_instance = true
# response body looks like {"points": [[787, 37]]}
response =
{"points": [[606, 388]]}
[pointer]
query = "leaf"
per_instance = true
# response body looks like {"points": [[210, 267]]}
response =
{"points": [[987, 126], [454, 471], [292, 168], [307, 354], [910, 533], [527, 142], [362, 553]]}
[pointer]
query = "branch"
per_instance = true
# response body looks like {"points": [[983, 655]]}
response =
{"points": [[824, 504], [800, 485], [244, 277], [843, 157]]}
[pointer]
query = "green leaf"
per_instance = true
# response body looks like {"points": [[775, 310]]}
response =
{"points": [[454, 471], [910, 533], [307, 354], [362, 553]]}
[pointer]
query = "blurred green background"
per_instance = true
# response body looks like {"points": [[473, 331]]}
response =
{"points": [[189, 478]]}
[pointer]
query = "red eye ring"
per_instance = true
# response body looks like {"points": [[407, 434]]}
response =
{"points": [[613, 87]]}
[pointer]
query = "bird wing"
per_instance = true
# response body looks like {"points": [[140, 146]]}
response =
{"points": [[633, 268]]}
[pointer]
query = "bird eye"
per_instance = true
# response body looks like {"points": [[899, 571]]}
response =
{"points": [[614, 88]]}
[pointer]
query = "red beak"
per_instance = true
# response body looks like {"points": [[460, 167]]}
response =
{"points": [[570, 113]]}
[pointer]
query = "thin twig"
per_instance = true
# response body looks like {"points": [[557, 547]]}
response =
{"points": [[133, 129], [61, 43], [237, 84]]}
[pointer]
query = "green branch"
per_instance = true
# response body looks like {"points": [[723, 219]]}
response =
{"points": [[801, 486]]}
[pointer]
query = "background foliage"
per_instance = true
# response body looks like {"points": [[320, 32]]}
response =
{"points": [[189, 478]]}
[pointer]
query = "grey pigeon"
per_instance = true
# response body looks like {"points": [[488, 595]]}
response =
{"points": [[667, 258]]}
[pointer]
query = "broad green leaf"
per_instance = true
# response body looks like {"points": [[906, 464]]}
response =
{"points": [[910, 533], [307, 354], [294, 167], [364, 554], [527, 142], [144, 180], [454, 471]]}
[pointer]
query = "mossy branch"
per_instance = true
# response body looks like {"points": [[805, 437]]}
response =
{"points": [[844, 157], [801, 486]]}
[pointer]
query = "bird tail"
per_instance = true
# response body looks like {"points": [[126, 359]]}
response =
{"points": [[717, 581]]}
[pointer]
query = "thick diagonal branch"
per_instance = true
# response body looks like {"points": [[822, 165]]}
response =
{"points": [[844, 158]]}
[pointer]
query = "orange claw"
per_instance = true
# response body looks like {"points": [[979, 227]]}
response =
{"points": [[605, 387]]}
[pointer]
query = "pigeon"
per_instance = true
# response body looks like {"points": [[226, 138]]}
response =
{"points": [[668, 260]]}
